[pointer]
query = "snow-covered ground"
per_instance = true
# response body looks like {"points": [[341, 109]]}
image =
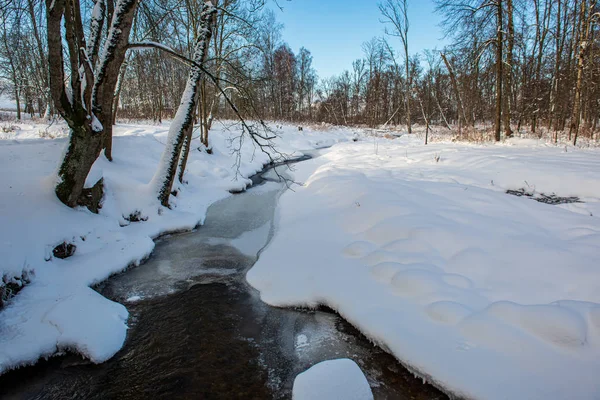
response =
{"points": [[339, 379], [485, 294], [59, 310]]}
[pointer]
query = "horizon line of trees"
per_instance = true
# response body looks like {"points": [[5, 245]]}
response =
{"points": [[511, 65]]}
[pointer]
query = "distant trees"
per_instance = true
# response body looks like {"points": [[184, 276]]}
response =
{"points": [[511, 65], [541, 52], [284, 75], [246, 55], [23, 55]]}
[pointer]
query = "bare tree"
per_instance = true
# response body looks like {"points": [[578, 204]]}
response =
{"points": [[395, 12], [183, 123], [499, 68], [86, 103]]}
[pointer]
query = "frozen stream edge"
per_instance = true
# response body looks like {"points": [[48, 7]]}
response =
{"points": [[180, 316]]}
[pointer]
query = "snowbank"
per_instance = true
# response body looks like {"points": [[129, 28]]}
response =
{"points": [[58, 310], [485, 294], [338, 379]]}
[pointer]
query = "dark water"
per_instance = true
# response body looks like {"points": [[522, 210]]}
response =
{"points": [[197, 330]]}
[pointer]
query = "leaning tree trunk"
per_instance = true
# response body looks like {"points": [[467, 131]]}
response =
{"points": [[184, 117], [185, 152]]}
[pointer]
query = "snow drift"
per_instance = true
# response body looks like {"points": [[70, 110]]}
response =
{"points": [[485, 294]]}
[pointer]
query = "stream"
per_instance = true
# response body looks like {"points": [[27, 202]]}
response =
{"points": [[198, 330]]}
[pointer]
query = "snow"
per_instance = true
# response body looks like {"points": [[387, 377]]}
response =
{"points": [[58, 311], [7, 103], [96, 22], [338, 379], [484, 294]]}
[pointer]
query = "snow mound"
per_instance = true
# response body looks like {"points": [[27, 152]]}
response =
{"points": [[83, 321], [358, 249], [89, 324], [416, 282], [339, 379], [447, 312]]}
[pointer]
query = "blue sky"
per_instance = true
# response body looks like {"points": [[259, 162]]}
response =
{"points": [[334, 30]]}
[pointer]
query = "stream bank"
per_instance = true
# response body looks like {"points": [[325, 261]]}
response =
{"points": [[197, 330]]}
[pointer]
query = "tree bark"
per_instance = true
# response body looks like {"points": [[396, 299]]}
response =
{"points": [[509, 69], [87, 111], [118, 92], [499, 44], [184, 118], [108, 71], [556, 74], [583, 46]]}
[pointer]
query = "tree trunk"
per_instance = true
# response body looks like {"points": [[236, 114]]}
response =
{"points": [[499, 44], [103, 94], [461, 107], [42, 56], [18, 101], [185, 152], [426, 120], [583, 46], [556, 74], [541, 32], [408, 91], [84, 148], [88, 112], [184, 118], [509, 62], [118, 92]]}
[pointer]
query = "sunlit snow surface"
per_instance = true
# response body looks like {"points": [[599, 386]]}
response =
{"points": [[485, 294], [339, 379]]}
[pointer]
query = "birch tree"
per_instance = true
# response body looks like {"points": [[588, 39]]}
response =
{"points": [[395, 12]]}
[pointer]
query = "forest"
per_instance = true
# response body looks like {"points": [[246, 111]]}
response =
{"points": [[512, 65]]}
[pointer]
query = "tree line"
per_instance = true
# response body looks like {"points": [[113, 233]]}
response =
{"points": [[512, 64]]}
